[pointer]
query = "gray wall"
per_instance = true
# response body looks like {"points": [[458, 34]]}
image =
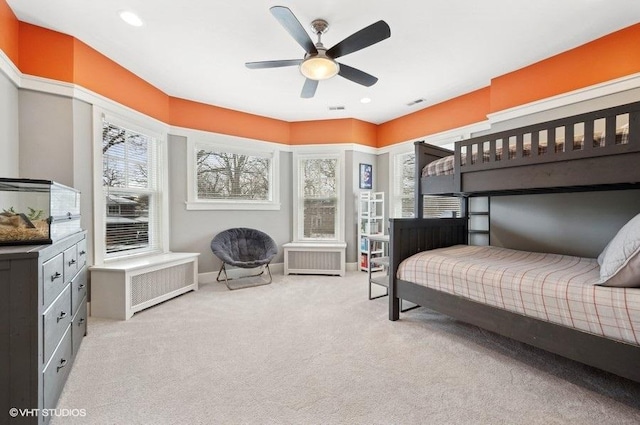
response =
{"points": [[9, 122], [55, 142], [192, 231], [83, 166], [570, 223], [46, 137], [56, 138]]}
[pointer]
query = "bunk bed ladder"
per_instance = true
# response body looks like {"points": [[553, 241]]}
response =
{"points": [[478, 213]]}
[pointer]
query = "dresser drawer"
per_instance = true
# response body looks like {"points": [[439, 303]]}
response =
{"points": [[70, 263], [79, 326], [56, 372], [78, 289], [52, 279], [56, 320], [82, 253]]}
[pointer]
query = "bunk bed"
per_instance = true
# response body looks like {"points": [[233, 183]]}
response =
{"points": [[555, 302]]}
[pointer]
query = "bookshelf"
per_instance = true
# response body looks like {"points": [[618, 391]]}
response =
{"points": [[370, 223]]}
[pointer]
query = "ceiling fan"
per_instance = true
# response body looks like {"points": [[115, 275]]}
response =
{"points": [[319, 63]]}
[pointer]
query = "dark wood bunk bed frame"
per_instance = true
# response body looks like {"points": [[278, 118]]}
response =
{"points": [[608, 167]]}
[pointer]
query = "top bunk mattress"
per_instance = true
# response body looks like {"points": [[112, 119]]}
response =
{"points": [[555, 288]]}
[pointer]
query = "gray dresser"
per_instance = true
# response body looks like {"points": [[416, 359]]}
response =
{"points": [[43, 318]]}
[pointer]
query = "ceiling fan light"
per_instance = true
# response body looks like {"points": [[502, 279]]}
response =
{"points": [[319, 68]]}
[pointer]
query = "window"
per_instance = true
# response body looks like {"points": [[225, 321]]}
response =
{"points": [[318, 204], [403, 195], [128, 190], [403, 191], [224, 178]]}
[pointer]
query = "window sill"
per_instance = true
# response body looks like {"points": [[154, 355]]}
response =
{"points": [[229, 206]]}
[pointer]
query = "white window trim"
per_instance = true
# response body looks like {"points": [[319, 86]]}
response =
{"points": [[298, 230], [240, 146], [393, 184], [146, 126]]}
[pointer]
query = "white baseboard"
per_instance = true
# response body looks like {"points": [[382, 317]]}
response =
{"points": [[277, 268]]}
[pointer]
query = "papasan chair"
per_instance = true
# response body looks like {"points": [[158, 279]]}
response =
{"points": [[244, 248]]}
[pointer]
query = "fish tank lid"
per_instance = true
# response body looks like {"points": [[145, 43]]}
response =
{"points": [[17, 184]]}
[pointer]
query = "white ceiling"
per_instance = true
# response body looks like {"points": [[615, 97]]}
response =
{"points": [[196, 49]]}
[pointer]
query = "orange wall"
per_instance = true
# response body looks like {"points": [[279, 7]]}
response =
{"points": [[45, 53], [345, 130], [612, 56], [9, 29], [98, 73], [463, 110], [185, 113]]}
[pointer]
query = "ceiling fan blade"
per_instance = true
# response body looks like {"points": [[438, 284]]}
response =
{"points": [[288, 20], [273, 64], [357, 76], [372, 34], [309, 88]]}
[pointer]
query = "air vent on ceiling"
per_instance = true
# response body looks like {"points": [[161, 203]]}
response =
{"points": [[336, 108], [415, 102]]}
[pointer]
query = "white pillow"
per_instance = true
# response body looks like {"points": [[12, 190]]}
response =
{"points": [[620, 260]]}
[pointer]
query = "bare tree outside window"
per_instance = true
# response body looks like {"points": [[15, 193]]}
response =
{"points": [[320, 193], [128, 189], [222, 175], [407, 185]]}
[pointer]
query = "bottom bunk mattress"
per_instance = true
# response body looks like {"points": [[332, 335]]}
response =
{"points": [[555, 288]]}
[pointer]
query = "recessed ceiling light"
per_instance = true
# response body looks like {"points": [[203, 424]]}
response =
{"points": [[131, 18], [365, 100]]}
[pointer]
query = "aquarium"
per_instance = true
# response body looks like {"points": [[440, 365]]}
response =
{"points": [[37, 211]]}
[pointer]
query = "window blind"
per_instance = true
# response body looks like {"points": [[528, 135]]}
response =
{"points": [[130, 185]]}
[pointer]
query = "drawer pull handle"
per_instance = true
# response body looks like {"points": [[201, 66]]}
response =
{"points": [[55, 276], [63, 363], [81, 321], [82, 252], [81, 287], [62, 315], [72, 262]]}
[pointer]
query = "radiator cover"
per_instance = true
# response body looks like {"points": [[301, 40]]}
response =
{"points": [[151, 285], [122, 288], [314, 258]]}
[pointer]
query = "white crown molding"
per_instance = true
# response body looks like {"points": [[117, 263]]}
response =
{"points": [[9, 69], [74, 91], [439, 139], [46, 85], [335, 147], [244, 142], [617, 85]]}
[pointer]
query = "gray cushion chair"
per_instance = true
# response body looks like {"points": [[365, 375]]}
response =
{"points": [[245, 248]]}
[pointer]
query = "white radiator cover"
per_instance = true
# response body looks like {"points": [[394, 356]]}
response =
{"points": [[314, 258], [148, 286], [122, 288]]}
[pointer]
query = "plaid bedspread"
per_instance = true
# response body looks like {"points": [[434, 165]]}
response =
{"points": [[554, 288], [444, 166]]}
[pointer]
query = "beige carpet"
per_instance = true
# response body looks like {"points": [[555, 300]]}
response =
{"points": [[314, 350]]}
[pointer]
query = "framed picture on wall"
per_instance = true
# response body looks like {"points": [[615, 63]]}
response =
{"points": [[366, 176]]}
